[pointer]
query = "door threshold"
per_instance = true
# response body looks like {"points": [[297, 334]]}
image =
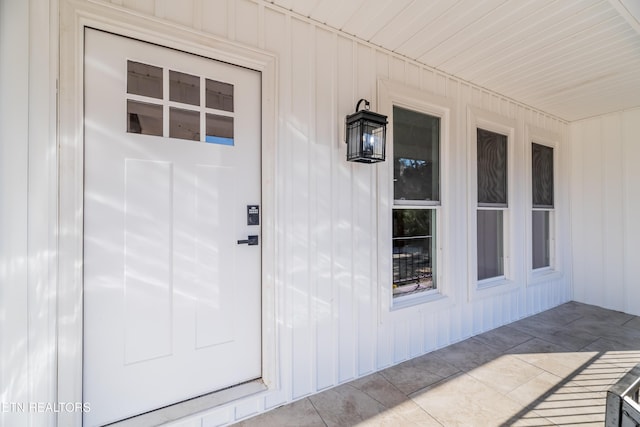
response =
{"points": [[192, 406]]}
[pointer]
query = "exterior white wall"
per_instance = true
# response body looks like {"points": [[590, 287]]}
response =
{"points": [[605, 208], [332, 324], [27, 209]]}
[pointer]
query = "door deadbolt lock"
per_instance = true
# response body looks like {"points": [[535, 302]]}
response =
{"points": [[251, 241]]}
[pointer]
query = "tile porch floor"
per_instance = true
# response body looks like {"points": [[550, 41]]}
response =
{"points": [[549, 369]]}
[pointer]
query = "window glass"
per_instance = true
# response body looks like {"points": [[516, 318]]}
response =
{"points": [[490, 244], [416, 155], [219, 95], [219, 129], [413, 250], [184, 88], [143, 79], [541, 236], [492, 168], [542, 175], [144, 118], [184, 124]]}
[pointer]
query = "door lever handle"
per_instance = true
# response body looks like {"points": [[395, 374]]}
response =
{"points": [[251, 241]]}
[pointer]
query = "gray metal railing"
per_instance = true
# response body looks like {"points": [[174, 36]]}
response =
{"points": [[623, 409]]}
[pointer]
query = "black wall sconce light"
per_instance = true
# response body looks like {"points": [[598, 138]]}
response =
{"points": [[366, 132]]}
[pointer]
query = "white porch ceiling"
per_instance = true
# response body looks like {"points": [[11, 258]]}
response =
{"points": [[571, 58]]}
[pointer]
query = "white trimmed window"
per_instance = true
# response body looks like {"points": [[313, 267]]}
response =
{"points": [[491, 198], [416, 201], [492, 193], [543, 208]]}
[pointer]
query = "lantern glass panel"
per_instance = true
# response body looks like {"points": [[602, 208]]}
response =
{"points": [[373, 140]]}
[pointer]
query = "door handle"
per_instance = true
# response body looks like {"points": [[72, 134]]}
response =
{"points": [[251, 241]]}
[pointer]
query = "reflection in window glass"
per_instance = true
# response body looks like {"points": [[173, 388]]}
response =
{"points": [[143, 79], [413, 250], [184, 124], [490, 244], [219, 95], [144, 118], [540, 233], [416, 155], [184, 88], [219, 129], [492, 168], [542, 175]]}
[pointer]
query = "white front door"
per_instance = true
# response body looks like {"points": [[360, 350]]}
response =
{"points": [[172, 297]]}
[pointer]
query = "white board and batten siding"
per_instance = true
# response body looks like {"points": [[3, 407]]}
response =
{"points": [[328, 308], [331, 329], [605, 208]]}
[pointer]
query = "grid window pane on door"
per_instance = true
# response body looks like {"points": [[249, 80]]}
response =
{"points": [[144, 80], [182, 113], [416, 189], [492, 202], [542, 191]]}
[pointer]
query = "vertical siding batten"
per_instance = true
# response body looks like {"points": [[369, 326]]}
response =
{"points": [[631, 210], [324, 126], [299, 126], [344, 233], [364, 82], [15, 368]]}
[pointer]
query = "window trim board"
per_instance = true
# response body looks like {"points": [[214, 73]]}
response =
{"points": [[478, 289], [540, 136], [392, 94]]}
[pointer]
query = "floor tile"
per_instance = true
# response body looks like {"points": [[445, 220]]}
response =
{"points": [[505, 373], [536, 389], [297, 414], [380, 389], [467, 354], [503, 338], [560, 315], [464, 400], [418, 373], [345, 405], [605, 329], [538, 328], [634, 323], [572, 340], [608, 316], [552, 357]]}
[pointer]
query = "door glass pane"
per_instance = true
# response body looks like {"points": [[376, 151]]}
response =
{"points": [[143, 79], [184, 88], [144, 118], [416, 155], [219, 95], [542, 175], [490, 244], [540, 236], [184, 124], [492, 168], [219, 129], [413, 250]]}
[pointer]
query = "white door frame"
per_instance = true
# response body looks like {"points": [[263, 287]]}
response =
{"points": [[74, 17]]}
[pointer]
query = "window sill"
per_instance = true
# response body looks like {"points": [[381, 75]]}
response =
{"points": [[434, 297], [542, 275], [491, 287]]}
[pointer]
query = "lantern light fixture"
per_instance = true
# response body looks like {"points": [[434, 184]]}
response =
{"points": [[365, 135]]}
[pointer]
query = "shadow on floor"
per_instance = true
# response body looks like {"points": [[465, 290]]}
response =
{"points": [[551, 369]]}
